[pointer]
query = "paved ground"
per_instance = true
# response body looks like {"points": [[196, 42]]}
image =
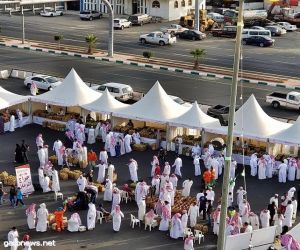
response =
{"points": [[282, 59], [103, 237], [188, 87]]}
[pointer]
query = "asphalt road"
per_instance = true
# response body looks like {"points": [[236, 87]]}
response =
{"points": [[188, 87], [103, 237], [281, 59]]}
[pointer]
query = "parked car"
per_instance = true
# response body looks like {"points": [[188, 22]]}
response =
{"points": [[275, 30], [262, 41], [250, 32], [289, 100], [120, 91], [140, 19], [191, 35], [157, 37], [257, 28], [227, 31], [220, 112], [287, 26], [216, 17], [173, 29], [121, 23], [90, 15], [51, 13], [42, 82]]}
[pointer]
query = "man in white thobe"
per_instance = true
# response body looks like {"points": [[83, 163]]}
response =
{"points": [[91, 216], [12, 123], [55, 181], [221, 161], [13, 238], [196, 150], [108, 191], [262, 165], [110, 172], [282, 171], [233, 166], [210, 195], [57, 149], [291, 193], [244, 210], [42, 156], [197, 165], [39, 141], [116, 198], [211, 149], [178, 165], [155, 184], [82, 183], [288, 215], [167, 168], [184, 219], [176, 229], [295, 207], [103, 156], [253, 164], [292, 169], [112, 144], [254, 220], [20, 117], [107, 142], [274, 199], [133, 167], [240, 195], [42, 218], [45, 184], [141, 191], [136, 137], [163, 179], [91, 136], [173, 179], [187, 184], [193, 213], [265, 218], [269, 165], [127, 142], [101, 172], [142, 209], [117, 216]]}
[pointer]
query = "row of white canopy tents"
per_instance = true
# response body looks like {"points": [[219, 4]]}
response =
{"points": [[157, 107]]}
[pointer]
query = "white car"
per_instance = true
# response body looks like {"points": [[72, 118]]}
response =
{"points": [[42, 82], [287, 26], [157, 37], [121, 23], [51, 13], [120, 91]]}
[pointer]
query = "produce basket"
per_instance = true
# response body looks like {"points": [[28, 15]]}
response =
{"points": [[139, 147]]}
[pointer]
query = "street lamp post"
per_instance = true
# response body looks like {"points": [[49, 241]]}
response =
{"points": [[196, 21], [23, 27], [225, 187], [111, 29]]}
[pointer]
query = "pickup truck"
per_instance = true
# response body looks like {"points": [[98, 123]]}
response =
{"points": [[220, 112], [289, 100], [157, 37], [173, 29]]}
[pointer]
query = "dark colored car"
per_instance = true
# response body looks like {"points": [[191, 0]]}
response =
{"points": [[191, 35], [262, 41], [275, 30], [220, 112], [227, 31]]}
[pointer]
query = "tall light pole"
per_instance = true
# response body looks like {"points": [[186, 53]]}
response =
{"points": [[196, 21], [111, 29], [23, 26], [225, 187]]}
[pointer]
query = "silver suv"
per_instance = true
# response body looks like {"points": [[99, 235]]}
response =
{"points": [[90, 15]]}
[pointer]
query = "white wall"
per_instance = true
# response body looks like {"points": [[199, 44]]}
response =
{"points": [[161, 12], [176, 13]]}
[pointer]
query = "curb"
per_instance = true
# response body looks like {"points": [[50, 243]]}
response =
{"points": [[151, 66]]}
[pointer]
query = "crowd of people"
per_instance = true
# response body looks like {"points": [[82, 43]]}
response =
{"points": [[281, 211]]}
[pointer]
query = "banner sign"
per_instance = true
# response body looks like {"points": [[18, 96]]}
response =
{"points": [[24, 180]]}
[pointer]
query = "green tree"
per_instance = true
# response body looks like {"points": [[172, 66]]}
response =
{"points": [[58, 39], [147, 54], [91, 40], [197, 54]]}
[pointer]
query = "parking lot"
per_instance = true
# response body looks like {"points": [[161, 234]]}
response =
{"points": [[281, 59]]}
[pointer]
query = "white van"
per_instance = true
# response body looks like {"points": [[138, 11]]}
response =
{"points": [[251, 32], [121, 92]]}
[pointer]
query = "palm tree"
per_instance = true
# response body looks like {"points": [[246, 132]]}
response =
{"points": [[91, 40], [197, 54], [58, 38]]}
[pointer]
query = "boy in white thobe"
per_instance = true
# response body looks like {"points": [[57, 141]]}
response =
{"points": [[193, 214], [187, 184], [45, 184], [12, 238]]}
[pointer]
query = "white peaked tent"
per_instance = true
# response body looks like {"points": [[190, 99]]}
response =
{"points": [[8, 99], [195, 118], [72, 92], [289, 136], [155, 106], [252, 122], [106, 104]]}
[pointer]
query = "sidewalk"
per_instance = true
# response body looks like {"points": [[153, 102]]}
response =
{"points": [[155, 63]]}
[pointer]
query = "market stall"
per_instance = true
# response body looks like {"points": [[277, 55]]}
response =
{"points": [[10, 103], [59, 105], [150, 115]]}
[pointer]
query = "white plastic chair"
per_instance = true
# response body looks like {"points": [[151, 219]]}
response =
{"points": [[186, 232], [58, 195], [99, 217], [134, 221], [151, 224], [198, 236], [125, 196]]}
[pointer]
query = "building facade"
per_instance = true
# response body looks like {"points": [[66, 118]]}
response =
{"points": [[167, 9]]}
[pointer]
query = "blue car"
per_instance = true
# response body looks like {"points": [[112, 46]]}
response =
{"points": [[262, 41]]}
